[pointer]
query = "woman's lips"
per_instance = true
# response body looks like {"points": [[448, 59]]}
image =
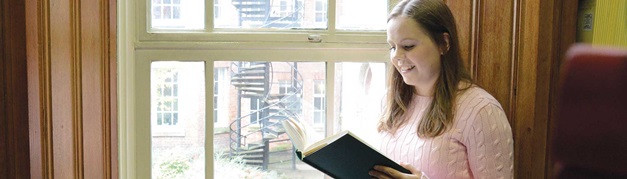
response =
{"points": [[407, 68]]}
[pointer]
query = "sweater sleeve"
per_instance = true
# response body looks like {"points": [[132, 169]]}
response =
{"points": [[489, 144]]}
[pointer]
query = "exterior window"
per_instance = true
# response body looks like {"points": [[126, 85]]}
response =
{"points": [[216, 8], [166, 9], [284, 87], [177, 102], [177, 14], [221, 101], [255, 108], [319, 102], [321, 11], [167, 87]]}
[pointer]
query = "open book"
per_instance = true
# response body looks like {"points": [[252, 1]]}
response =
{"points": [[342, 155]]}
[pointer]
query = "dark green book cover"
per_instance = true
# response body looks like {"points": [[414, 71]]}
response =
{"points": [[348, 157]]}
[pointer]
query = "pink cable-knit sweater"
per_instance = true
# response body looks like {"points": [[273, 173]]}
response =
{"points": [[478, 145]]}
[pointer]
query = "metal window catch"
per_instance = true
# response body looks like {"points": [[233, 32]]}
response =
{"points": [[314, 38]]}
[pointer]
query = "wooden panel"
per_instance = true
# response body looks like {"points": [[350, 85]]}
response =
{"points": [[13, 96], [39, 93], [112, 142], [494, 48], [92, 63], [463, 12], [70, 86], [525, 116], [564, 34], [63, 106], [515, 50]]}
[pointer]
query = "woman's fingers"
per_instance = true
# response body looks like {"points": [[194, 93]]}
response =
{"points": [[410, 168], [383, 172], [378, 174]]}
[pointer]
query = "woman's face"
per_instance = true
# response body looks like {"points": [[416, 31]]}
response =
{"points": [[415, 56]]}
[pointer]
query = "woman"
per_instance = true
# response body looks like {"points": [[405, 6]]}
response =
{"points": [[437, 123]]}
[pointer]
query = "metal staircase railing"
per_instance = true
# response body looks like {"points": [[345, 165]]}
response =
{"points": [[254, 81]]}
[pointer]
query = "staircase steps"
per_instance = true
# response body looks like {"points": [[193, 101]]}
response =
{"points": [[254, 67], [249, 79], [251, 84], [254, 90], [250, 73], [252, 95], [252, 157]]}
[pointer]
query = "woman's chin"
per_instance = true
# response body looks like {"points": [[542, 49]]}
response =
{"points": [[409, 82]]}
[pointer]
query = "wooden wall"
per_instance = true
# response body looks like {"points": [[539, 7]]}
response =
{"points": [[514, 50], [71, 88], [14, 155]]}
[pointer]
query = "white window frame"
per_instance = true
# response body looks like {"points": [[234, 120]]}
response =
{"points": [[138, 46]]}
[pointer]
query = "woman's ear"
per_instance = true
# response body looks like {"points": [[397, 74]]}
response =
{"points": [[447, 43]]}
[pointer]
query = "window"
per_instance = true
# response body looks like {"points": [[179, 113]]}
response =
{"points": [[256, 109], [246, 65], [220, 102], [166, 9], [216, 9], [166, 98], [321, 11], [177, 14], [177, 139], [319, 102], [285, 87]]}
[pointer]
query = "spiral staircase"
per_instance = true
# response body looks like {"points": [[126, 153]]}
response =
{"points": [[257, 13], [251, 141]]}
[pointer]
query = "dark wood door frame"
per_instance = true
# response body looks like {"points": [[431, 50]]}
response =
{"points": [[14, 139]]}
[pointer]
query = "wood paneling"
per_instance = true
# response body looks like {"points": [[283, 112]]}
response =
{"points": [[13, 96], [514, 50], [72, 88], [463, 12], [564, 36]]}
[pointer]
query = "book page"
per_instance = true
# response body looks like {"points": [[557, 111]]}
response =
{"points": [[321, 143], [296, 134], [311, 136]]}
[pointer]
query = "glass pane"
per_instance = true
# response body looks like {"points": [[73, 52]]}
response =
{"points": [[176, 14], [361, 14], [178, 132], [244, 149], [276, 14], [360, 88]]}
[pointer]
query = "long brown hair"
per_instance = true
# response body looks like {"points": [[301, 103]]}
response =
{"points": [[436, 19]]}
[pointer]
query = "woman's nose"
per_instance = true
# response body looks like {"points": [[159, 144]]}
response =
{"points": [[396, 55]]}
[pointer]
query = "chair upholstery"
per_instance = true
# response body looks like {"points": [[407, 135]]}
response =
{"points": [[590, 130]]}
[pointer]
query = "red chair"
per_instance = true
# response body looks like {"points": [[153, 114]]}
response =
{"points": [[590, 131]]}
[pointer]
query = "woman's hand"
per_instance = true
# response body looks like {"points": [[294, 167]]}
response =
{"points": [[383, 172]]}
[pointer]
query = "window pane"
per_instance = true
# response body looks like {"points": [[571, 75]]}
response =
{"points": [[360, 88], [178, 132], [361, 14], [277, 14], [176, 14], [241, 146]]}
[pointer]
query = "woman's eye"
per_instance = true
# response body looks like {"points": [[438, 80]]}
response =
{"points": [[408, 47], [392, 48]]}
